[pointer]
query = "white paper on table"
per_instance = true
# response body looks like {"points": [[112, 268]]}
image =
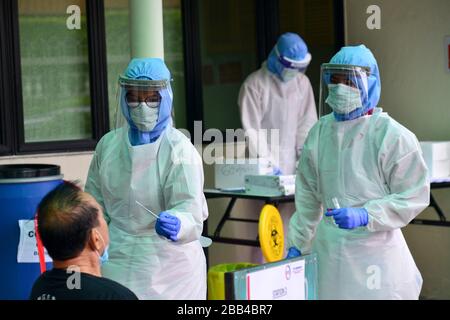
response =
{"points": [[285, 282], [27, 251]]}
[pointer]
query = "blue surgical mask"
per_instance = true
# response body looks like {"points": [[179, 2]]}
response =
{"points": [[104, 257], [343, 99], [145, 117]]}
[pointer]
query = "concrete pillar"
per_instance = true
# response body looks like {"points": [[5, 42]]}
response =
{"points": [[146, 29]]}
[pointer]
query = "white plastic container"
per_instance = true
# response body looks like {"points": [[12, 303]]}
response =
{"points": [[270, 185], [230, 173], [270, 181], [437, 158]]}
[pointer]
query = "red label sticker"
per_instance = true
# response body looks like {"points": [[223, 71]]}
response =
{"points": [[448, 56]]}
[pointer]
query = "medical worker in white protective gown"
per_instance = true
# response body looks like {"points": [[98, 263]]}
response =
{"points": [[361, 179], [148, 161], [279, 96]]}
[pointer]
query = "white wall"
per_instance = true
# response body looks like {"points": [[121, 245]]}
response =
{"points": [[410, 53], [416, 92]]}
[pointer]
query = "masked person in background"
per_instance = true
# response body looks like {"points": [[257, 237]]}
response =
{"points": [[279, 96], [361, 178], [147, 161]]}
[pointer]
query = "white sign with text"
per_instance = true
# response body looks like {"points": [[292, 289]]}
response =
{"points": [[27, 251], [285, 282]]}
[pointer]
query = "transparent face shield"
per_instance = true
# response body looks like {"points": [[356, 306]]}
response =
{"points": [[138, 96], [343, 91]]}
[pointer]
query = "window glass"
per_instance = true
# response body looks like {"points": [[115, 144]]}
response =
{"points": [[55, 70]]}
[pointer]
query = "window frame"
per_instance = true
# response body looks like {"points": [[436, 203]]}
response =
{"points": [[192, 63], [12, 135], [6, 138]]}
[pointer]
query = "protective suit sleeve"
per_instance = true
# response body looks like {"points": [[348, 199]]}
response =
{"points": [[251, 108], [308, 213], [183, 192], [93, 180], [307, 118], [407, 178]]}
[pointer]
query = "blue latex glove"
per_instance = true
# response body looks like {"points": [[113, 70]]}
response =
{"points": [[277, 171], [349, 218], [293, 252], [168, 226]]}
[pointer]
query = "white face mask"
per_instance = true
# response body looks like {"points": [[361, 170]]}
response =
{"points": [[289, 74], [144, 117], [343, 99]]}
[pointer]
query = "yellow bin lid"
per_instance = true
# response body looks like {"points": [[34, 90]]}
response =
{"points": [[271, 234]]}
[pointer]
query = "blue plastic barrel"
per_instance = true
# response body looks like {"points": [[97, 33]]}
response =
{"points": [[22, 187]]}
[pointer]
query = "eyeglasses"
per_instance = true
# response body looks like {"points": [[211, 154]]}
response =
{"points": [[133, 101], [341, 79]]}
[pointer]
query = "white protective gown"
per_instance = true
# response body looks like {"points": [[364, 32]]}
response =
{"points": [[164, 176], [371, 162], [268, 103]]}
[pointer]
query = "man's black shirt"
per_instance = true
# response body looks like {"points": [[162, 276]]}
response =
{"points": [[55, 285]]}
